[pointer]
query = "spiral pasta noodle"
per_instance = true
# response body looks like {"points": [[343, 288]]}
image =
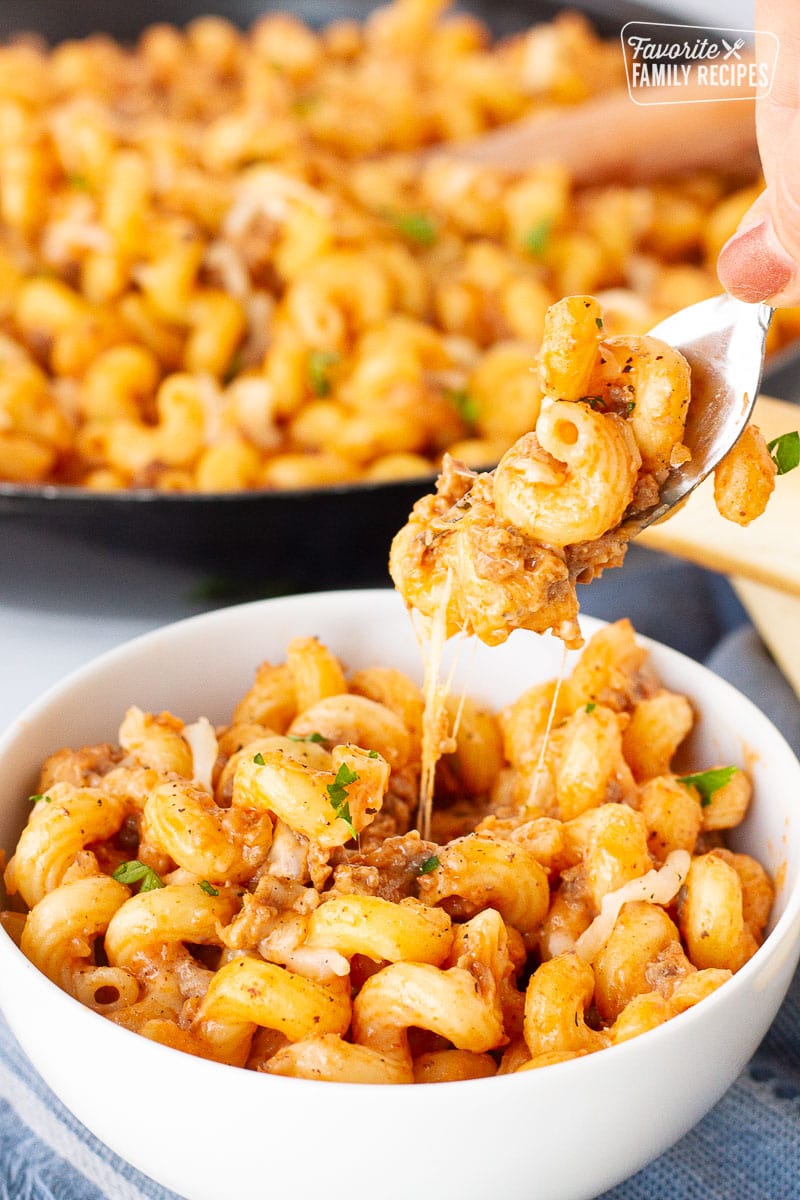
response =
{"points": [[262, 898]]}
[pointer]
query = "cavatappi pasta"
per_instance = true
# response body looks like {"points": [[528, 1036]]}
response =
{"points": [[224, 266], [257, 893], [494, 551]]}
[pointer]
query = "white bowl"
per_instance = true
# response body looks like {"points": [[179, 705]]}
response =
{"points": [[564, 1132]]}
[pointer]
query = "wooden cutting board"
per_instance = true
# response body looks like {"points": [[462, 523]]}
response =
{"points": [[762, 559], [776, 616], [767, 551]]}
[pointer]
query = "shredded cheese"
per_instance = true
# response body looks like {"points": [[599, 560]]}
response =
{"points": [[288, 855], [228, 264], [659, 886], [270, 193], [202, 741], [253, 403], [283, 944], [316, 962]]}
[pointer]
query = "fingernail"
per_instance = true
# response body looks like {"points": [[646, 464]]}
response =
{"points": [[753, 265]]}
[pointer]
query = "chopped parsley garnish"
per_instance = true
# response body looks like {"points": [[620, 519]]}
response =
{"points": [[208, 888], [785, 451], [258, 759], [372, 754], [536, 239], [37, 796], [430, 864], [234, 367], [598, 322], [709, 782], [308, 737], [135, 871], [601, 404], [465, 405], [591, 706], [417, 227], [337, 791], [320, 364], [303, 105]]}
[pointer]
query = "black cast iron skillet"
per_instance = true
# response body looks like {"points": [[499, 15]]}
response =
{"points": [[336, 537]]}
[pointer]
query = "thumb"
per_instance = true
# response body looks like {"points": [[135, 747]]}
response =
{"points": [[762, 259], [755, 265]]}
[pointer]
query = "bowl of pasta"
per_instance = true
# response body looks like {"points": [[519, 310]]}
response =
{"points": [[252, 885], [246, 307]]}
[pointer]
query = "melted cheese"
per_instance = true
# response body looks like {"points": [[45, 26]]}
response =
{"points": [[203, 744], [658, 886], [435, 739], [539, 779]]}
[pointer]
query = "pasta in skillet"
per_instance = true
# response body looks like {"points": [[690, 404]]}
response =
{"points": [[257, 893], [228, 263]]}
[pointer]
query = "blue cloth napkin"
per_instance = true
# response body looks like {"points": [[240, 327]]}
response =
{"points": [[747, 1148]]}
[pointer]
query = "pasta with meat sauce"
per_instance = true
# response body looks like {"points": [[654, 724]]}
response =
{"points": [[257, 893], [494, 551]]}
